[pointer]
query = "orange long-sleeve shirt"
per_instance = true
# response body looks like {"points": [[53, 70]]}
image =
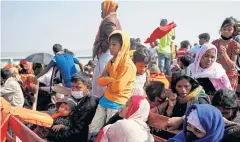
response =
{"points": [[119, 83]]}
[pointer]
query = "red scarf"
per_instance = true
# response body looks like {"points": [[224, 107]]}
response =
{"points": [[160, 32]]}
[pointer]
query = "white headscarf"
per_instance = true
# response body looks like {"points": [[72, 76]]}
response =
{"points": [[194, 120], [132, 129], [215, 71]]}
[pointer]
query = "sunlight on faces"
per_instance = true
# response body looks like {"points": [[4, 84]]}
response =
{"points": [[183, 87], [65, 109], [208, 58], [227, 30], [195, 131], [124, 109], [79, 86], [141, 67], [115, 47], [227, 113]]}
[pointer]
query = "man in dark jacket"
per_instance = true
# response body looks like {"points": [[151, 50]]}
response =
{"points": [[84, 111]]}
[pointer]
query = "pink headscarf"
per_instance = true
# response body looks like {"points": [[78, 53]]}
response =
{"points": [[135, 119], [215, 73]]}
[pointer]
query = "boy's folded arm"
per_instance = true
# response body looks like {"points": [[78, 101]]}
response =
{"points": [[104, 81], [121, 83]]}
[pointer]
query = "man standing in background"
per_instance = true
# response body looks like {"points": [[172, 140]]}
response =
{"points": [[164, 50]]}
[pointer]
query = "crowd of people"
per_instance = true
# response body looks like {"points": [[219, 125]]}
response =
{"points": [[113, 96]]}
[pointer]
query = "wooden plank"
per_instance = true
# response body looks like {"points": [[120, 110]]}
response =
{"points": [[23, 132]]}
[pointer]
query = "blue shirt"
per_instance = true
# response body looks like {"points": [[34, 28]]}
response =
{"points": [[65, 62], [194, 50], [104, 102]]}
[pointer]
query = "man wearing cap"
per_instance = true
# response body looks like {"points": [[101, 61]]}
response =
{"points": [[83, 113], [65, 62], [164, 50]]}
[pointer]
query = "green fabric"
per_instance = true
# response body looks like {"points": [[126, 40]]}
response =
{"points": [[165, 42]]}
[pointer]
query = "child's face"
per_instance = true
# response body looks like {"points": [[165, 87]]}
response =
{"points": [[115, 47], [227, 31], [141, 67], [65, 109]]}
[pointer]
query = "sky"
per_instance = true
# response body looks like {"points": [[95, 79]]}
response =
{"points": [[35, 26]]}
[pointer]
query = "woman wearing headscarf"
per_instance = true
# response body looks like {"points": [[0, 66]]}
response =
{"points": [[188, 92], [133, 127], [26, 67], [109, 24], [210, 74], [118, 76], [202, 123]]}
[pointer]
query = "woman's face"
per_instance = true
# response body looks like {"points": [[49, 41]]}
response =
{"points": [[227, 113], [227, 31], [183, 87], [208, 58], [141, 67], [195, 130], [115, 47], [124, 109]]}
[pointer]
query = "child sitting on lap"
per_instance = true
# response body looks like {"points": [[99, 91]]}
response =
{"points": [[61, 117]]}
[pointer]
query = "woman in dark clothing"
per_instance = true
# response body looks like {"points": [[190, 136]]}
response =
{"points": [[84, 111], [188, 92]]}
